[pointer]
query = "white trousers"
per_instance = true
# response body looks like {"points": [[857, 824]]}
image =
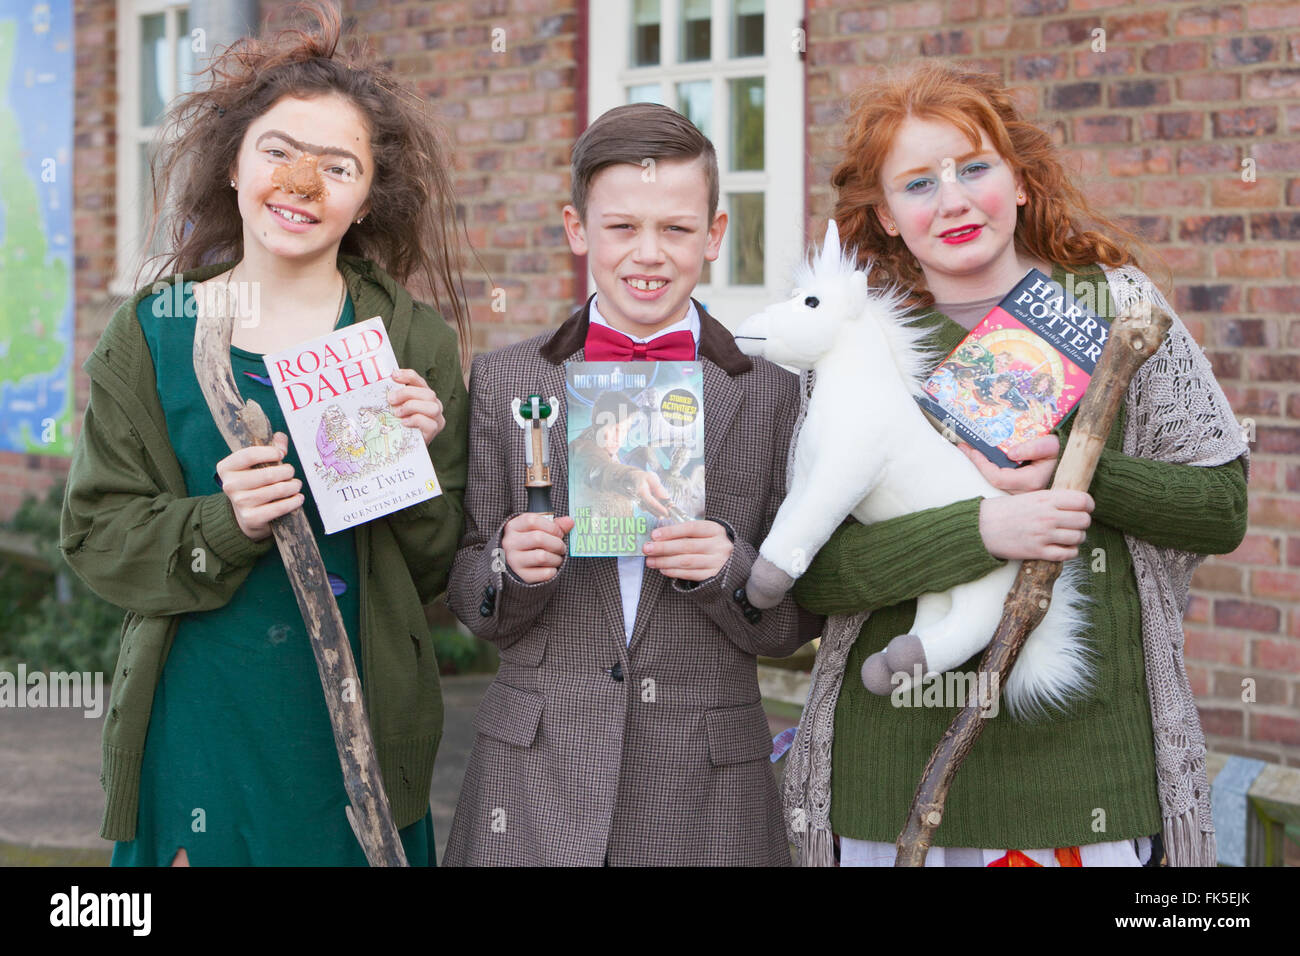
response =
{"points": [[1118, 853]]}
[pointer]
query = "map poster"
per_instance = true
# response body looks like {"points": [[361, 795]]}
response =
{"points": [[37, 341]]}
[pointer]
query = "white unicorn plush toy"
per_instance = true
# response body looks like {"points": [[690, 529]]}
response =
{"points": [[886, 462]]}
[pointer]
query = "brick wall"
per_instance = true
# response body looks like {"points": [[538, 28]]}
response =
{"points": [[1158, 126]]}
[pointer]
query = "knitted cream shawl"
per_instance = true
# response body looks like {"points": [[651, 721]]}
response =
{"points": [[1175, 412]]}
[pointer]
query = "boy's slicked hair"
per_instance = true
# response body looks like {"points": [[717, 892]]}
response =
{"points": [[633, 134]]}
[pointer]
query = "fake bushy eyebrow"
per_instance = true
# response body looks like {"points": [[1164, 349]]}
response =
{"points": [[311, 147]]}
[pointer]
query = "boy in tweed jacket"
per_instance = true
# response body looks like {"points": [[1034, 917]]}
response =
{"points": [[625, 724]]}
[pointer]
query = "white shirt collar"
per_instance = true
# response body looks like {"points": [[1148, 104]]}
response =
{"points": [[690, 324]]}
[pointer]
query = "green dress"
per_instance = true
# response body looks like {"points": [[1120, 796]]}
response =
{"points": [[240, 766]]}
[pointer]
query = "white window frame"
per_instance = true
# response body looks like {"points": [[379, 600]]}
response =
{"points": [[131, 134], [782, 179]]}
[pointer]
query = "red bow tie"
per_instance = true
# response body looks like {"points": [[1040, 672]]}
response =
{"points": [[610, 345]]}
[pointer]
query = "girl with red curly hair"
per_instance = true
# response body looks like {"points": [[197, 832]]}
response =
{"points": [[946, 190]]}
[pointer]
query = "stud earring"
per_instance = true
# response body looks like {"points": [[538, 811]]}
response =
{"points": [[232, 185], [891, 229], [1020, 197], [359, 220]]}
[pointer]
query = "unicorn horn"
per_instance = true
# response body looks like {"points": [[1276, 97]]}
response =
{"points": [[830, 255]]}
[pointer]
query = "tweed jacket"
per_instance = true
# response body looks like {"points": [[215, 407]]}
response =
{"points": [[590, 749]]}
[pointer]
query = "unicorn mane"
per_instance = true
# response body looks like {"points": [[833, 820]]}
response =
{"points": [[908, 343]]}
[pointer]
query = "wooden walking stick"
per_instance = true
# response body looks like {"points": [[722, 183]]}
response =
{"points": [[243, 424], [1135, 335]]}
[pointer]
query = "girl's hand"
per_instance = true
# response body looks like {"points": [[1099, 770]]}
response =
{"points": [[416, 404], [1037, 525], [1041, 453], [260, 495]]}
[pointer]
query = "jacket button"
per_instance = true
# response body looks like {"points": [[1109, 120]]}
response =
{"points": [[753, 615], [490, 592], [616, 672], [485, 609]]}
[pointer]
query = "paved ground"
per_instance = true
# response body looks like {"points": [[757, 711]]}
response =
{"points": [[50, 799], [50, 796]]}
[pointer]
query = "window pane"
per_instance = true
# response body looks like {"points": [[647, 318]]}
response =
{"points": [[645, 93], [747, 123], [153, 68], [746, 231], [695, 102], [645, 33], [696, 30], [184, 54], [746, 27]]}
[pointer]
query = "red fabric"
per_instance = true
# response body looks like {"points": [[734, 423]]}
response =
{"points": [[1068, 856], [610, 345], [1065, 856], [1014, 858]]}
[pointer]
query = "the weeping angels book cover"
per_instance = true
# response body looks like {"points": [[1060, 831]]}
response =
{"points": [[361, 461], [1018, 373], [628, 421]]}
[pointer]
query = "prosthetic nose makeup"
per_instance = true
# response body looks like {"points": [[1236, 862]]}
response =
{"points": [[302, 178]]}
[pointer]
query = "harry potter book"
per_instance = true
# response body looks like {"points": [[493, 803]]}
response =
{"points": [[1020, 372], [636, 452], [360, 460]]}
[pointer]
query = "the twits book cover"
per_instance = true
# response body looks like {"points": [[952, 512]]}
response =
{"points": [[361, 461]]}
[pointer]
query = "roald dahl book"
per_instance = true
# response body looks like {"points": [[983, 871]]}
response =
{"points": [[626, 419], [361, 461], [1018, 373]]}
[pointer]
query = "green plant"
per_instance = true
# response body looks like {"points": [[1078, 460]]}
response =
{"points": [[460, 653], [54, 622]]}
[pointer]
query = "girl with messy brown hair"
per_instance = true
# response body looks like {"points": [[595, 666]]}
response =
{"points": [[407, 226], [304, 187], [950, 195]]}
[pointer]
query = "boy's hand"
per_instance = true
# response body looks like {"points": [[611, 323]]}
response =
{"points": [[260, 495], [1039, 525], [534, 545], [1041, 453], [690, 550], [416, 404]]}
